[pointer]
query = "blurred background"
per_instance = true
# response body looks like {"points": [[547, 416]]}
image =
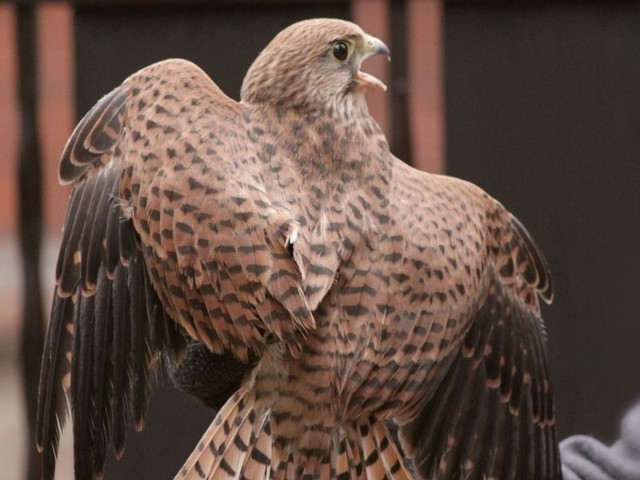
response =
{"points": [[538, 103]]}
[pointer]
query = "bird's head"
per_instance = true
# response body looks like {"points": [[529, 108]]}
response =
{"points": [[314, 64]]}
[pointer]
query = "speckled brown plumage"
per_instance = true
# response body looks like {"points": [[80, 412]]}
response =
{"points": [[283, 227]]}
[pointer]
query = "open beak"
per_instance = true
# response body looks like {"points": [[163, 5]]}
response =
{"points": [[372, 46]]}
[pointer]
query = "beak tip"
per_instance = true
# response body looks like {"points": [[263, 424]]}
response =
{"points": [[375, 46], [382, 48]]}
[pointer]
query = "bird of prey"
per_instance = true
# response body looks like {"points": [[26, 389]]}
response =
{"points": [[358, 292]]}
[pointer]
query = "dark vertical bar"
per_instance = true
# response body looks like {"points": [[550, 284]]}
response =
{"points": [[400, 144], [30, 221]]}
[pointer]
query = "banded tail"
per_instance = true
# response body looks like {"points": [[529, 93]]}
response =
{"points": [[239, 445]]}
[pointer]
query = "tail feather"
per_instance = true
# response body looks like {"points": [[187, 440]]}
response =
{"points": [[393, 464], [239, 445], [255, 464], [380, 457], [373, 464], [207, 457], [341, 460], [244, 442], [355, 462], [284, 465]]}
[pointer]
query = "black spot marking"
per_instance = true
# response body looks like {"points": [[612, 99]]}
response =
{"points": [[183, 227]]}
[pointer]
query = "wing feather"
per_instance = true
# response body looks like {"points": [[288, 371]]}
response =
{"points": [[102, 390], [99, 344], [96, 134], [492, 415], [150, 209], [81, 379]]}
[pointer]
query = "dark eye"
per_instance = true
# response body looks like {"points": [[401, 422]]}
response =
{"points": [[340, 51]]}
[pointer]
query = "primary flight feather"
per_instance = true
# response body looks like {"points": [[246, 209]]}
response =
{"points": [[281, 230]]}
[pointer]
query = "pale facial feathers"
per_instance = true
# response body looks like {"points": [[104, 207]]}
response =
{"points": [[313, 64]]}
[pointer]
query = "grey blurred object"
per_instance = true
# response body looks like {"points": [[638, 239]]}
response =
{"points": [[585, 458]]}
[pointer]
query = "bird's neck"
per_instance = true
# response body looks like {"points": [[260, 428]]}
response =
{"points": [[334, 143]]}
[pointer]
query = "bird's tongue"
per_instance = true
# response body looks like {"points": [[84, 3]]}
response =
{"points": [[367, 80]]}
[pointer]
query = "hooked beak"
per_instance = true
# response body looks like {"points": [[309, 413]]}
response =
{"points": [[371, 46]]}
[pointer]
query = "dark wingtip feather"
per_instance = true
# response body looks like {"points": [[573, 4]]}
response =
{"points": [[138, 357], [100, 412], [93, 232], [81, 386], [68, 270], [112, 246], [52, 405], [119, 353]]}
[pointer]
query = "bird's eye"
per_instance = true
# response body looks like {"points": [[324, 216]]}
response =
{"points": [[340, 51]]}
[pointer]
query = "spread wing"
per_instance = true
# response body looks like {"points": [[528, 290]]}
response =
{"points": [[167, 225], [108, 336], [492, 415]]}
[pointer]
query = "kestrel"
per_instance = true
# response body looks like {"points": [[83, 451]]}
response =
{"points": [[281, 228]]}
